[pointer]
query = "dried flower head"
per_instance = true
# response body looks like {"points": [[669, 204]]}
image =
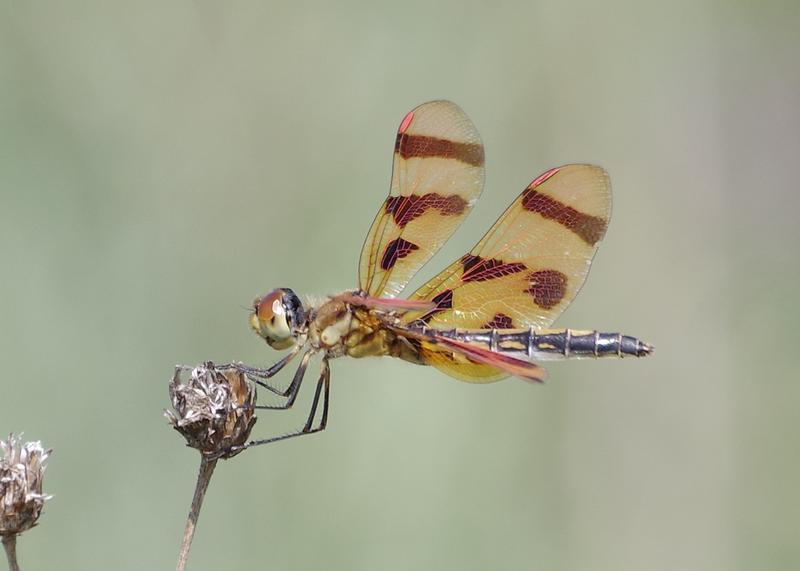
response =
{"points": [[213, 409], [21, 474]]}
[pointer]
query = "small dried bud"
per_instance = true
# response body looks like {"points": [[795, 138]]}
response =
{"points": [[21, 473], [213, 409]]}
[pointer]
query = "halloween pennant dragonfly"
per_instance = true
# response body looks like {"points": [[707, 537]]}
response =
{"points": [[487, 315]]}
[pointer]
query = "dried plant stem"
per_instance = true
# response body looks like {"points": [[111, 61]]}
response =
{"points": [[10, 544], [203, 478]]}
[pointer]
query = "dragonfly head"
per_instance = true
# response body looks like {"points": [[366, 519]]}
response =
{"points": [[277, 317]]}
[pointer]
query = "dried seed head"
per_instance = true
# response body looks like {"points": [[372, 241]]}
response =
{"points": [[21, 473], [213, 409]]}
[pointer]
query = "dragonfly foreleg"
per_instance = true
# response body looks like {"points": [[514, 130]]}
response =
{"points": [[260, 376], [294, 387]]}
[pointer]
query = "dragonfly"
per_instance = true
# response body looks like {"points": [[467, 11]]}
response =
{"points": [[486, 316]]}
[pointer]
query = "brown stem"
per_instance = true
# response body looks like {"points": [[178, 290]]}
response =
{"points": [[10, 543], [203, 478]]}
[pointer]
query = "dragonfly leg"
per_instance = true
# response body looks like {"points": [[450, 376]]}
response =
{"points": [[294, 387], [323, 387], [260, 376]]}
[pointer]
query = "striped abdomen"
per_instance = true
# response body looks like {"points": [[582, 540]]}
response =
{"points": [[552, 344]]}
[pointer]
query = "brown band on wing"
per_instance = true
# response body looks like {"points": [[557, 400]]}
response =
{"points": [[422, 146], [443, 301], [499, 321], [404, 209], [548, 287], [590, 228], [396, 249], [477, 269]]}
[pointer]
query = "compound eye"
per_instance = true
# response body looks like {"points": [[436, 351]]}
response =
{"points": [[271, 306], [293, 307], [274, 319]]}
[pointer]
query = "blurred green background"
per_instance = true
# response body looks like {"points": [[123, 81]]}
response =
{"points": [[162, 163]]}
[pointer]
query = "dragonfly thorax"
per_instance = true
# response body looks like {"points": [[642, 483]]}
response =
{"points": [[330, 326], [278, 318]]}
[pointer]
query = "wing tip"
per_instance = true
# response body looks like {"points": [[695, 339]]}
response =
{"points": [[543, 177], [535, 378], [405, 122]]}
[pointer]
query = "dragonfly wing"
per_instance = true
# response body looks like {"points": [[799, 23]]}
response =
{"points": [[468, 362], [533, 261], [437, 177]]}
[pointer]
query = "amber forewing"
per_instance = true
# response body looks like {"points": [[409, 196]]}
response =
{"points": [[437, 177], [531, 264]]}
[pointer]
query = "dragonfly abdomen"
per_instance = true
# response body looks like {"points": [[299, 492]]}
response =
{"points": [[552, 344], [578, 344]]}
